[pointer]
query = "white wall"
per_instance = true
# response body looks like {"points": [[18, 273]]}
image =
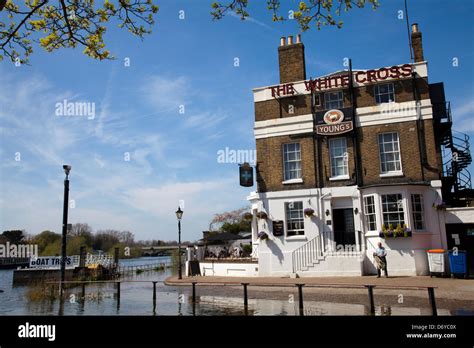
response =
{"points": [[228, 269], [460, 215]]}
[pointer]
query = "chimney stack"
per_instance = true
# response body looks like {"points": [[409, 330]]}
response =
{"points": [[291, 60], [416, 43]]}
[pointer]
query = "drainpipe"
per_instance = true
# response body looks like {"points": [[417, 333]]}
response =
{"points": [[322, 219]]}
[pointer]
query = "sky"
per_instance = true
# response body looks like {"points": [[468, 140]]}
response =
{"points": [[160, 122]]}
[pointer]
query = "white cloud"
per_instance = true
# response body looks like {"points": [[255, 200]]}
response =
{"points": [[464, 117], [166, 94]]}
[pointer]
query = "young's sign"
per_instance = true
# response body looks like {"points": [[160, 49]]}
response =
{"points": [[334, 122]]}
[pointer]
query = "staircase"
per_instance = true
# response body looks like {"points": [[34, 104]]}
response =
{"points": [[457, 184], [307, 255]]}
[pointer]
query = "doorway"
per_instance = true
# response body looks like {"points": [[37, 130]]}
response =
{"points": [[344, 232]]}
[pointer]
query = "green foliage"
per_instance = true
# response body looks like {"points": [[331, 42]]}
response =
{"points": [[69, 23], [309, 12], [45, 238], [247, 248], [14, 236]]}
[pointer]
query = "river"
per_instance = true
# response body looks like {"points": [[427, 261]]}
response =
{"points": [[136, 298]]}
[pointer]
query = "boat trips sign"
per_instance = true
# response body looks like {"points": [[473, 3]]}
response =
{"points": [[53, 262]]}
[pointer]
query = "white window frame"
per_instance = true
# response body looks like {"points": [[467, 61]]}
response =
{"points": [[403, 210], [332, 158], [339, 100], [391, 92], [368, 215], [299, 219], [421, 212], [381, 145], [286, 177]]}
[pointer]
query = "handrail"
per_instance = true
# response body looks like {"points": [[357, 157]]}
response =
{"points": [[307, 254]]}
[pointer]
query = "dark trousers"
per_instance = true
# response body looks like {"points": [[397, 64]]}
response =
{"points": [[384, 267]]}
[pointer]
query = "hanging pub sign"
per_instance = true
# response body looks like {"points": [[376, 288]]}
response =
{"points": [[246, 175], [334, 121], [277, 228]]}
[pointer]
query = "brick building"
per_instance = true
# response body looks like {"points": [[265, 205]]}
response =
{"points": [[350, 159]]}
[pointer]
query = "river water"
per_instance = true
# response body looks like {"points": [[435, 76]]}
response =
{"points": [[136, 298]]}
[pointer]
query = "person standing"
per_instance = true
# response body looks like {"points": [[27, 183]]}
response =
{"points": [[381, 259]]}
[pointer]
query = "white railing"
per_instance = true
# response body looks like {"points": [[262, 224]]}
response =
{"points": [[307, 255]]}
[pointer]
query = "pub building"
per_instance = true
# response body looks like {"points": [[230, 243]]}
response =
{"points": [[354, 158]]}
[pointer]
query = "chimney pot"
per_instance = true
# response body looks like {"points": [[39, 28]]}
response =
{"points": [[298, 38], [290, 40], [282, 41], [414, 28]]}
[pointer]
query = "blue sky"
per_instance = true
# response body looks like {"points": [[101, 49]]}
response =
{"points": [[173, 155]]}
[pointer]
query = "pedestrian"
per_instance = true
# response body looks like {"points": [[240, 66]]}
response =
{"points": [[381, 260]]}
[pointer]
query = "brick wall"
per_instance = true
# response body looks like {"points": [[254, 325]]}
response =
{"points": [[270, 163], [292, 63], [325, 160], [409, 151], [279, 108], [270, 158]]}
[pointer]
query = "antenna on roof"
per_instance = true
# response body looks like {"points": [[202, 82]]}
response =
{"points": [[408, 32]]}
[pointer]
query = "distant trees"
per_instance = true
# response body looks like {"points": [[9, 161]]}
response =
{"points": [[232, 221], [14, 236], [81, 234]]}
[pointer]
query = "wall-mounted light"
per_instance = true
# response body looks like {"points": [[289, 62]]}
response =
{"points": [[327, 212], [356, 211]]}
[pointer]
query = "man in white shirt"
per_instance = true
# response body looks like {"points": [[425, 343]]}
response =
{"points": [[380, 259]]}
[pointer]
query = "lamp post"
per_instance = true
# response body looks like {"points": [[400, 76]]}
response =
{"points": [[67, 169], [179, 215]]}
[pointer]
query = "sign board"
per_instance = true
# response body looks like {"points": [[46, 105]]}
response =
{"points": [[194, 268], [246, 175], [342, 80], [278, 228], [334, 121], [53, 262]]}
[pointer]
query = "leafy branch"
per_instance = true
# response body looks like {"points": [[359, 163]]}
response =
{"points": [[310, 12], [69, 23]]}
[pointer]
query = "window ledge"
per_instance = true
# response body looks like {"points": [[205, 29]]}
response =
{"points": [[340, 177], [292, 181], [391, 174], [298, 238]]}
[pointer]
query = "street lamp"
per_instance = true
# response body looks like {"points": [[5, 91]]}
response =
{"points": [[67, 170], [179, 215]]}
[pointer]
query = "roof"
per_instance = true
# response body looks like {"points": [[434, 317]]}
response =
{"points": [[222, 236]]}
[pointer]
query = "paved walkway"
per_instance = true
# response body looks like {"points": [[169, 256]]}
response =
{"points": [[453, 289]]}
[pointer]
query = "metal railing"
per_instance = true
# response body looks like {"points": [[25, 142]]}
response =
{"points": [[122, 269], [194, 298]]}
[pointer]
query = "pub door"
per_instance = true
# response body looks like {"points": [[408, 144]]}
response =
{"points": [[343, 222]]}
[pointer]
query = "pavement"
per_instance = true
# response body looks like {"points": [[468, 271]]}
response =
{"points": [[459, 290]]}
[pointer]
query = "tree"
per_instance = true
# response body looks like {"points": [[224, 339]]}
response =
{"points": [[82, 230], [105, 239], [69, 23], [44, 239], [231, 221], [72, 23], [14, 236], [316, 12]]}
